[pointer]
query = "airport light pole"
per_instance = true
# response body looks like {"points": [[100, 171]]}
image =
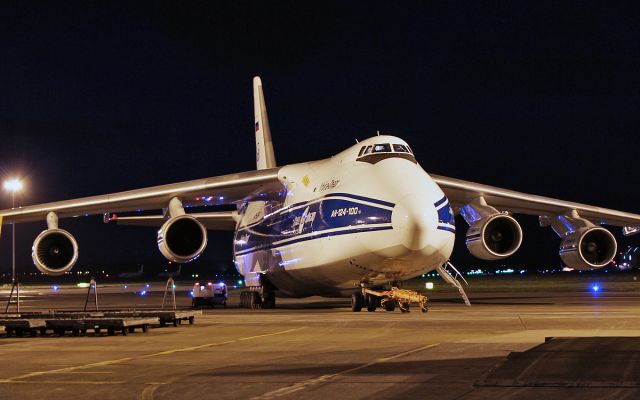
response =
{"points": [[13, 186]]}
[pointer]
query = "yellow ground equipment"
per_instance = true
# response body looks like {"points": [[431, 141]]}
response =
{"points": [[388, 299]]}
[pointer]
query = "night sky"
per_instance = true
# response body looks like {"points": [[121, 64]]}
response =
{"points": [[101, 97]]}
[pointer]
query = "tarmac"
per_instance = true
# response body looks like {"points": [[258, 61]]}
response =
{"points": [[566, 346]]}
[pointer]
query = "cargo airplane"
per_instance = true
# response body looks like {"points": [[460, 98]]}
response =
{"points": [[370, 216]]}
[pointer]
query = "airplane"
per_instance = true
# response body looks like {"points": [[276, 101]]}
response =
{"points": [[367, 217], [136, 274]]}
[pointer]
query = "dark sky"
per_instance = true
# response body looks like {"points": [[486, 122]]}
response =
{"points": [[98, 97]]}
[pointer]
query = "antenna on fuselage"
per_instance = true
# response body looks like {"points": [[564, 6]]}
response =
{"points": [[357, 141], [378, 132]]}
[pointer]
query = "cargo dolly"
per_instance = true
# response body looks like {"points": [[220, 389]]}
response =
{"points": [[78, 323]]}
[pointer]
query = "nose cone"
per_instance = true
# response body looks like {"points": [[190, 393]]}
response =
{"points": [[414, 221]]}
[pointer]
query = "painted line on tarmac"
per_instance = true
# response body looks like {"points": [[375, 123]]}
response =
{"points": [[63, 370], [149, 390], [204, 346], [21, 378], [287, 390]]}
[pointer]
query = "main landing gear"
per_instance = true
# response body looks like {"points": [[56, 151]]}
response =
{"points": [[257, 298]]}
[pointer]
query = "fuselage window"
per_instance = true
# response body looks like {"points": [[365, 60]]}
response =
{"points": [[368, 150], [400, 148], [362, 150], [382, 148]]}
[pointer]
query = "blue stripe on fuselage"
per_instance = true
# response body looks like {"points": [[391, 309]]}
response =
{"points": [[328, 213], [268, 246]]}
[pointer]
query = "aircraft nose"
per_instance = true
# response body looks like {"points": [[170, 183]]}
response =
{"points": [[413, 220]]}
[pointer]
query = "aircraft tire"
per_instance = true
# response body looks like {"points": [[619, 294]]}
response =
{"points": [[269, 301], [255, 300], [243, 299], [372, 302], [356, 301], [390, 305]]}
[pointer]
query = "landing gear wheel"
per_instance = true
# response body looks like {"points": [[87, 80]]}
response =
{"points": [[255, 301], [357, 300], [245, 299], [269, 301], [390, 305], [373, 302]]}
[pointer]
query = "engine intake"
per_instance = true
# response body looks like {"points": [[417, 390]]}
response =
{"points": [[494, 237], [182, 239], [588, 248], [55, 251]]}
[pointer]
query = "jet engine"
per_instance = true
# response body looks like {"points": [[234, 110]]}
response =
{"points": [[55, 251], [494, 237], [182, 239], [587, 248]]}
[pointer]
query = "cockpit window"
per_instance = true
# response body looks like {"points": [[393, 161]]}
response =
{"points": [[368, 150], [382, 148], [362, 150], [400, 148]]}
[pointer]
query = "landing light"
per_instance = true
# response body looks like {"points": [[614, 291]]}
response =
{"points": [[429, 285], [83, 285], [239, 281]]}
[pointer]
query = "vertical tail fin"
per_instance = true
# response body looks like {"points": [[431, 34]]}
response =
{"points": [[265, 157]]}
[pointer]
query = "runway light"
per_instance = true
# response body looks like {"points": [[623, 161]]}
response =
{"points": [[55, 288], [148, 286], [126, 286], [191, 293], [595, 288], [429, 285], [83, 285], [142, 293]]}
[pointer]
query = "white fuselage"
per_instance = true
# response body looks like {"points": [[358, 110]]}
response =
{"points": [[360, 216]]}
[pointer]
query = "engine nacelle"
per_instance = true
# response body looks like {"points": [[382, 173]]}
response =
{"points": [[55, 251], [588, 248], [182, 239], [494, 237]]}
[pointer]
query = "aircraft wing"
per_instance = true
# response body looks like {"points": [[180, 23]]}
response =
{"points": [[225, 189], [462, 192], [217, 220]]}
